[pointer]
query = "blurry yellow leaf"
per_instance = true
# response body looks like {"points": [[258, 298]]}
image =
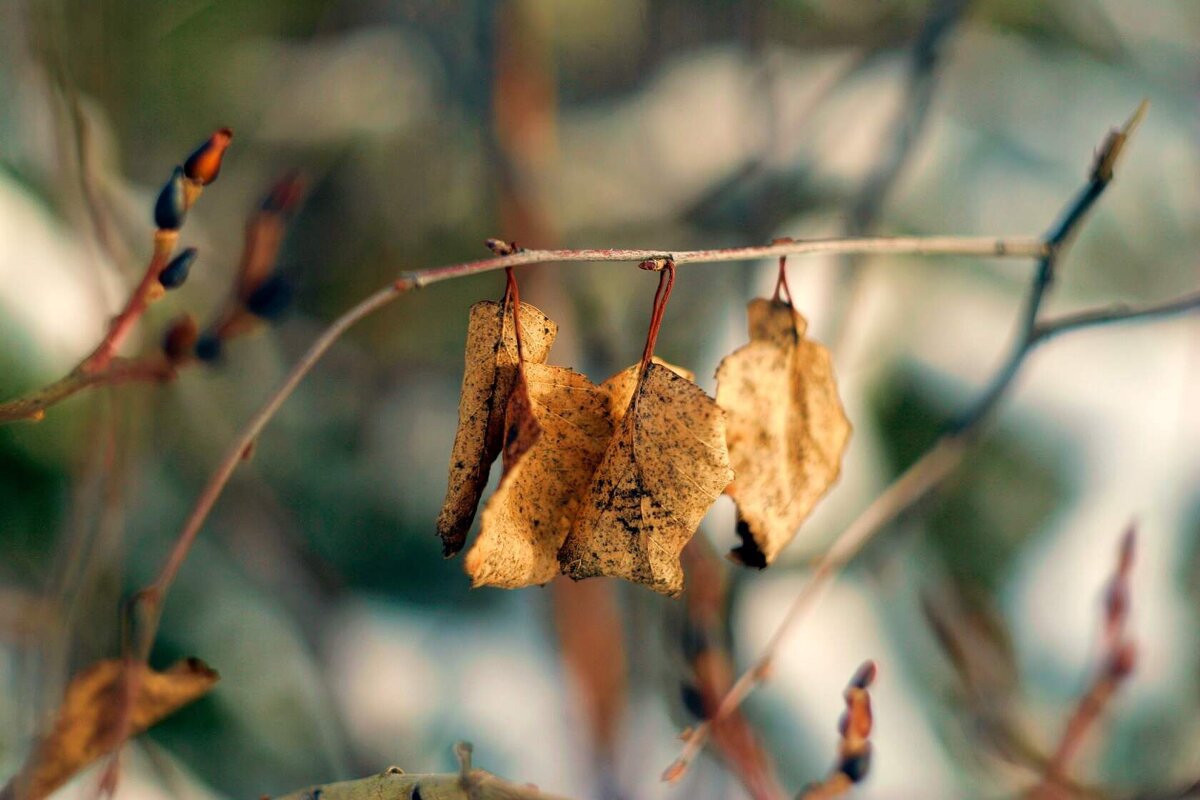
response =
{"points": [[557, 429], [785, 428], [91, 717], [491, 372], [664, 467]]}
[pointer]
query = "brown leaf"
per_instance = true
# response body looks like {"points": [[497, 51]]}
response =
{"points": [[491, 372], [620, 387], [557, 429], [666, 464], [90, 719], [786, 429]]}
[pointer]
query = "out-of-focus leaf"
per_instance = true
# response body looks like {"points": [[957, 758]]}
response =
{"points": [[1003, 494], [93, 713]]}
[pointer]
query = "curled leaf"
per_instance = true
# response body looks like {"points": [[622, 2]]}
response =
{"points": [[666, 464], [491, 373], [90, 719], [785, 428], [556, 430]]}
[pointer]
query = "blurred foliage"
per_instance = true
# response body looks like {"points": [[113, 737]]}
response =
{"points": [[1006, 493]]}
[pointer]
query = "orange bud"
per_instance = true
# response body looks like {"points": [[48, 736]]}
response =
{"points": [[204, 164]]}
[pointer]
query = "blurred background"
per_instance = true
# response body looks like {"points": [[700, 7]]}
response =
{"points": [[346, 643]]}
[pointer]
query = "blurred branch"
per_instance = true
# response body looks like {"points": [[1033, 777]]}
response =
{"points": [[264, 234], [1057, 239], [705, 649], [911, 118], [1117, 664], [854, 749], [33, 406], [175, 199], [395, 784], [1115, 313], [949, 450]]}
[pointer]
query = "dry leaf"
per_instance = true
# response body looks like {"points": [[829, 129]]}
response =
{"points": [[666, 464], [620, 387], [90, 719], [785, 428], [557, 429], [491, 372]]}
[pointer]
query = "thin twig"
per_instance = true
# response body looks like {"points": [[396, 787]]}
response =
{"points": [[910, 121], [1117, 662], [948, 451], [854, 750], [119, 370], [29, 406], [1017, 247], [1112, 314]]}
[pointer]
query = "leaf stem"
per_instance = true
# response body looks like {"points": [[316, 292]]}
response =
{"points": [[666, 280]]}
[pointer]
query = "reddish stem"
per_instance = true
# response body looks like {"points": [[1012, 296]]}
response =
{"points": [[781, 284], [511, 292], [135, 306], [666, 280]]}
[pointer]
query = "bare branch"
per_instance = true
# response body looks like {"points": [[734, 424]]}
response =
{"points": [[1117, 663], [948, 451]]}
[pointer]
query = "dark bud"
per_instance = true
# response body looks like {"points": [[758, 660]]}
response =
{"points": [[176, 272], [171, 206], [208, 347], [865, 675], [180, 339], [693, 701], [204, 164], [271, 298], [855, 767]]}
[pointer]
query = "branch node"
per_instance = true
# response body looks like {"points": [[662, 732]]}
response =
{"points": [[502, 248], [656, 264]]}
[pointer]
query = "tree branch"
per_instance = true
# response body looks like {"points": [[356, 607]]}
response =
{"points": [[948, 451], [179, 194], [92, 370], [119, 370]]}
